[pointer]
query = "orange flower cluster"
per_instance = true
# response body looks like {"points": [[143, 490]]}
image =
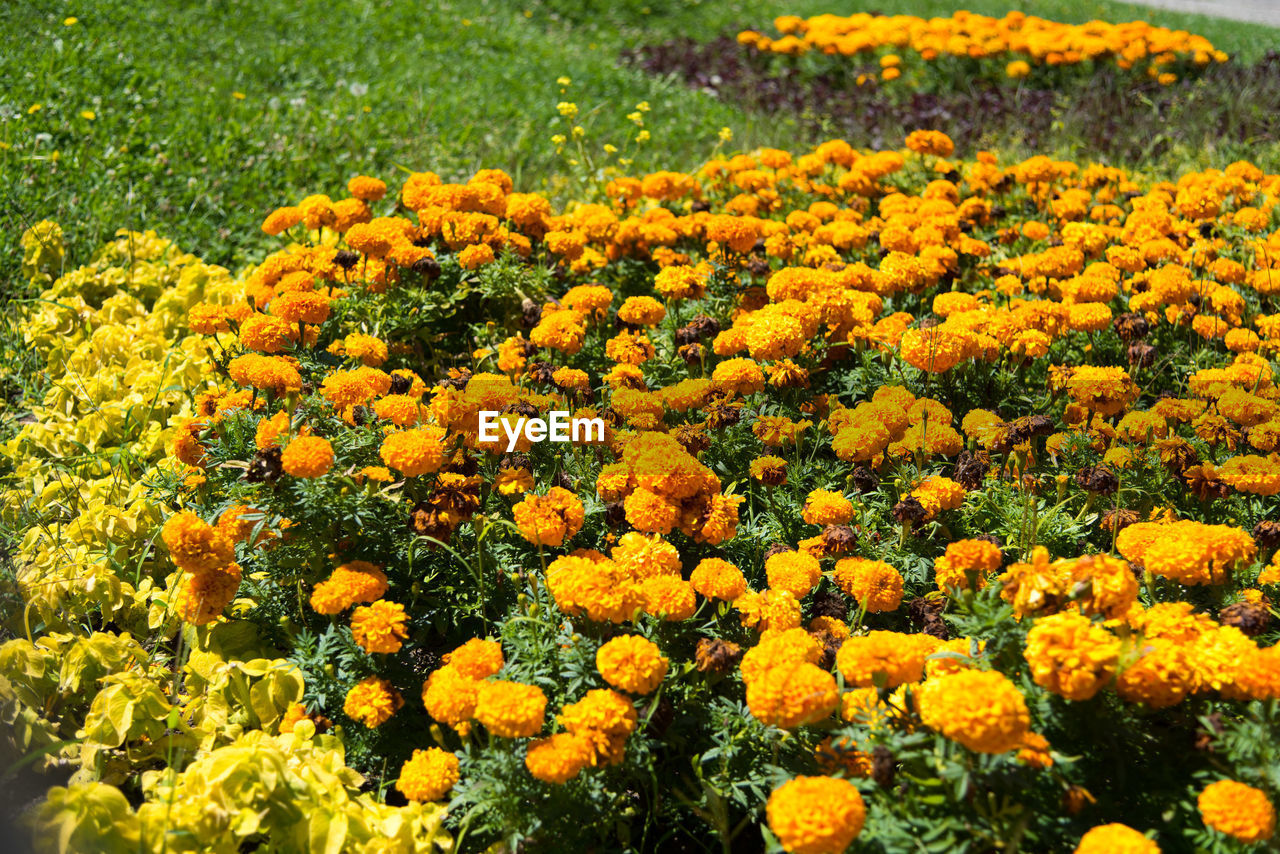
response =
{"points": [[1020, 40]]}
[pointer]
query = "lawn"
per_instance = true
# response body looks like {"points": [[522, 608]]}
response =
{"points": [[197, 125]]}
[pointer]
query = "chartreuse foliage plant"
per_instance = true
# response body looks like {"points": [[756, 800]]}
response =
{"points": [[934, 510]]}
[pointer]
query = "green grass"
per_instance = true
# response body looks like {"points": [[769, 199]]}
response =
{"points": [[335, 88]]}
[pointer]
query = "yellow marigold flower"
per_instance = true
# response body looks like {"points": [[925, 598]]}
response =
{"points": [[824, 507], [1195, 553], [980, 709], [476, 256], [769, 470], [898, 657], [428, 775], [738, 376], [559, 758], [1115, 839], [670, 596], [549, 520], [605, 719], [477, 658], [281, 220], [649, 512], [930, 142], [792, 694], [935, 350], [307, 456], [1238, 810], [772, 609], [510, 709], [372, 701], [597, 588], [450, 697], [641, 311], [1105, 390], [951, 571], [414, 452], [204, 595], [631, 663], [718, 579], [369, 350], [779, 647], [816, 815], [1071, 656], [351, 583], [642, 557], [1160, 676], [794, 572], [368, 189], [875, 585], [301, 307], [379, 627], [195, 545], [681, 282], [268, 373]]}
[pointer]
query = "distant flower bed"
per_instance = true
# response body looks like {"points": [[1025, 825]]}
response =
{"points": [[1016, 45]]}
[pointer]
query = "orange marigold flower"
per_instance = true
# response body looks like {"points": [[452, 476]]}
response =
{"points": [[372, 701], [379, 627], [1115, 839], [816, 815], [559, 758], [980, 709], [195, 545], [414, 452], [875, 585], [427, 775], [307, 456], [549, 520], [718, 579], [1238, 810], [1071, 656], [631, 663], [351, 583], [510, 709]]}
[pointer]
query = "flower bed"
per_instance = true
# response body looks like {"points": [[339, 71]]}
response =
{"points": [[934, 506]]}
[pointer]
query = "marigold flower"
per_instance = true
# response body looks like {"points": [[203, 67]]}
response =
{"points": [[605, 719], [510, 709], [793, 694], [368, 189], [428, 775], [195, 545], [875, 585], [824, 507], [980, 709], [718, 579], [816, 815], [1071, 656], [898, 657], [549, 520], [372, 701], [477, 658], [794, 572], [307, 456], [559, 758], [631, 663], [1115, 839], [1238, 810], [414, 452], [450, 696], [204, 595], [379, 627], [351, 583]]}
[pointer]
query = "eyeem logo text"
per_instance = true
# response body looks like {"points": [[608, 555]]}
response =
{"points": [[558, 427]]}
